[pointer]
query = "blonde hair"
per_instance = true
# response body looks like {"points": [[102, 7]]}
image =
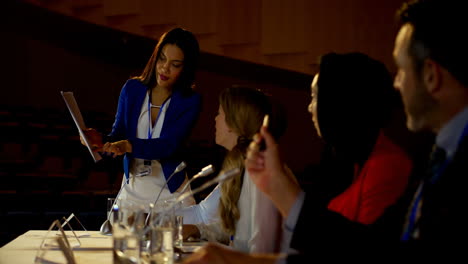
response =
{"points": [[244, 110]]}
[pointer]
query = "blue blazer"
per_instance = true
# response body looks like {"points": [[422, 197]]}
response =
{"points": [[179, 120]]}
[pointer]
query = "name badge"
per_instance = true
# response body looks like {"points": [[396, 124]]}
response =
{"points": [[145, 170]]}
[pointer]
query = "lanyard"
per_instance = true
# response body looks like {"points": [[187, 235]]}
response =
{"points": [[417, 201], [150, 125]]}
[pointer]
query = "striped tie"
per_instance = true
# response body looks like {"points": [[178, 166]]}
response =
{"points": [[436, 165]]}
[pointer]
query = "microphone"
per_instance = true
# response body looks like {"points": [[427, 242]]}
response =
{"points": [[106, 227], [178, 169], [219, 179], [204, 172]]}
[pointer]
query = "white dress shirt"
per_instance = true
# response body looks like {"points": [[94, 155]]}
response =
{"points": [[144, 190], [258, 228]]}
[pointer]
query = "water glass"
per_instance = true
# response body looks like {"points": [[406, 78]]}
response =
{"points": [[161, 249], [127, 232]]}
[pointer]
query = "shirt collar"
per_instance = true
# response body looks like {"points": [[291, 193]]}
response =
{"points": [[450, 135]]}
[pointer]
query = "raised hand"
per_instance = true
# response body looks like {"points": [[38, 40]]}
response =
{"points": [[270, 174], [117, 148], [94, 138]]}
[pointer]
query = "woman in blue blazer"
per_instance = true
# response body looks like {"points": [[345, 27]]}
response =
{"points": [[155, 115]]}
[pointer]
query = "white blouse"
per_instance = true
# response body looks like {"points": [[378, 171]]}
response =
{"points": [[258, 229], [144, 190]]}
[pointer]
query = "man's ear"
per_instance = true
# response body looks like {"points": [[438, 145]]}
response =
{"points": [[432, 76]]}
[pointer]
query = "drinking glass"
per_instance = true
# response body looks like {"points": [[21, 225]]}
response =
{"points": [[129, 221], [161, 249]]}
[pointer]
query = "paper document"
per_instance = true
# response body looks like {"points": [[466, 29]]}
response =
{"points": [[76, 115]]}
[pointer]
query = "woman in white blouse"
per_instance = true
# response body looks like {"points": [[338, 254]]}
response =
{"points": [[236, 212]]}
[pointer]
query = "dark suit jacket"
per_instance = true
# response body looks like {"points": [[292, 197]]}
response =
{"points": [[443, 229], [443, 214], [179, 120]]}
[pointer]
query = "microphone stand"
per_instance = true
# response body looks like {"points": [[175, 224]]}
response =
{"points": [[222, 177], [106, 227], [204, 172], [178, 169]]}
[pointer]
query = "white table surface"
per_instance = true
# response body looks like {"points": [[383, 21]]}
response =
{"points": [[95, 248]]}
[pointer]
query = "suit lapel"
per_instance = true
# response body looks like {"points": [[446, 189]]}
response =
{"points": [[134, 108], [173, 109]]}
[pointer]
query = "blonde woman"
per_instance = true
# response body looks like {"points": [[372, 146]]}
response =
{"points": [[236, 212]]}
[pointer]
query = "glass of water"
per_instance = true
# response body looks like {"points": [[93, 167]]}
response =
{"points": [[161, 249], [127, 232]]}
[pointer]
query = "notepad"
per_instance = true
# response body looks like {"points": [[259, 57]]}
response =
{"points": [[72, 106]]}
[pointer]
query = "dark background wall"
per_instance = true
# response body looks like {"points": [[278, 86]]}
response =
{"points": [[45, 53], [45, 172]]}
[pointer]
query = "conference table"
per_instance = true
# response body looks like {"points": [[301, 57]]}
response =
{"points": [[94, 248]]}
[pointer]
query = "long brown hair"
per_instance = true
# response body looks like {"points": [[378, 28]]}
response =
{"points": [[244, 109], [187, 42]]}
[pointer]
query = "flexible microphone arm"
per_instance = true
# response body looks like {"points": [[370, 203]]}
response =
{"points": [[221, 177], [115, 200], [178, 169], [204, 172]]}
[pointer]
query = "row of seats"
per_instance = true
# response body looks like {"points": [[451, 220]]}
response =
{"points": [[47, 174]]}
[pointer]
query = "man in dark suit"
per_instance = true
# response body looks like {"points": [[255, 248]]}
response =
{"points": [[431, 53]]}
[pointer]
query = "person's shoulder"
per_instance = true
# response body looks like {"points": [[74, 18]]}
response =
{"points": [[389, 157], [386, 149], [134, 83], [133, 86], [395, 157], [190, 98], [189, 94]]}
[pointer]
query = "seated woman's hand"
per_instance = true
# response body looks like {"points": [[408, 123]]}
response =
{"points": [[117, 148], [94, 139]]}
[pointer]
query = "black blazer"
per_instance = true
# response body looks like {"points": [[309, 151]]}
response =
{"points": [[444, 211]]}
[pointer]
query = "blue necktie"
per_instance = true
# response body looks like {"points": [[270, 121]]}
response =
{"points": [[437, 164]]}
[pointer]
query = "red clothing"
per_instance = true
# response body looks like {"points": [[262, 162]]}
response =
{"points": [[379, 183]]}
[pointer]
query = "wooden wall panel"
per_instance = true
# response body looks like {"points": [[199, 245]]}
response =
{"points": [[247, 52], [240, 22], [85, 3], [128, 23], [289, 61], [121, 7], [158, 12], [283, 26], [92, 14], [347, 26], [155, 31], [198, 16], [59, 6], [209, 43], [272, 32]]}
